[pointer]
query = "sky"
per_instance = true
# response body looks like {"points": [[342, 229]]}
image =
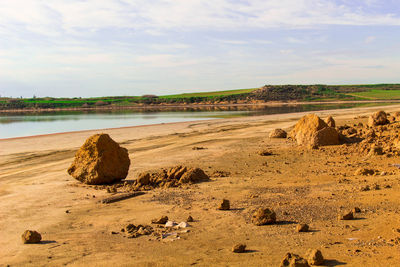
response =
{"points": [[70, 48]]}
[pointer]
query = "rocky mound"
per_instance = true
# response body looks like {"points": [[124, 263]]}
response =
{"points": [[373, 140], [172, 177], [378, 118], [100, 161], [277, 133], [311, 131]]}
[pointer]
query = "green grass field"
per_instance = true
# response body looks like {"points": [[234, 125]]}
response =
{"points": [[210, 94], [376, 94]]}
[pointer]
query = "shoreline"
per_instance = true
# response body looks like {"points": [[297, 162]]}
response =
{"points": [[183, 106], [66, 140], [188, 122]]}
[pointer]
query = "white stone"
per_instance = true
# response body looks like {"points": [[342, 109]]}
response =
{"points": [[170, 224], [183, 225]]}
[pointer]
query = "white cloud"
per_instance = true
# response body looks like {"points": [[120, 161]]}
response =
{"points": [[370, 39], [295, 40], [73, 16], [171, 43], [286, 51]]}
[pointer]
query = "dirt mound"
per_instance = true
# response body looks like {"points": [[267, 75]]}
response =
{"points": [[277, 133], [330, 122], [31, 237], [172, 177], [378, 118], [310, 130], [100, 161], [263, 216]]}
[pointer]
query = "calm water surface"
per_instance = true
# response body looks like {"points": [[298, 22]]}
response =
{"points": [[28, 124]]}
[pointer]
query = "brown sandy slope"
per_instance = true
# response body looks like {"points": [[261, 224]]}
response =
{"points": [[304, 186]]}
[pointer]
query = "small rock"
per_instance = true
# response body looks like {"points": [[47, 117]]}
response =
{"points": [[330, 122], [162, 220], [378, 118], [31, 237], [364, 171], [189, 219], [356, 210], [183, 225], [265, 153], [365, 188], [170, 224], [239, 248], [143, 178], [293, 260], [263, 216], [277, 133], [302, 227], [346, 216], [314, 257], [225, 205], [375, 150]]}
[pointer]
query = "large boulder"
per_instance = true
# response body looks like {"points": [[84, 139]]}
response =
{"points": [[325, 137], [310, 130], [378, 118], [100, 161]]}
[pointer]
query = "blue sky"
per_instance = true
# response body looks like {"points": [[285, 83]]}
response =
{"points": [[120, 47]]}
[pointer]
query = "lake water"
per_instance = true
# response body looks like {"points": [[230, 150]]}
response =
{"points": [[28, 124]]}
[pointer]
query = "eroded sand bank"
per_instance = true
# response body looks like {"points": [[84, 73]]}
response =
{"points": [[300, 185]]}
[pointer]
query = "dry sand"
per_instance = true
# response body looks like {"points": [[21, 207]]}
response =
{"points": [[302, 186]]}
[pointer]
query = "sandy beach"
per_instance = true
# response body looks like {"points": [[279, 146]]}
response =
{"points": [[301, 185]]}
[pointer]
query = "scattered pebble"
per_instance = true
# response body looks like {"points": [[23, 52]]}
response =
{"points": [[239, 248], [356, 210], [302, 227], [225, 205], [162, 220], [346, 216]]}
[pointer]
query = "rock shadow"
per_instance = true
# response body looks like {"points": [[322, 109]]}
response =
{"points": [[333, 263]]}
